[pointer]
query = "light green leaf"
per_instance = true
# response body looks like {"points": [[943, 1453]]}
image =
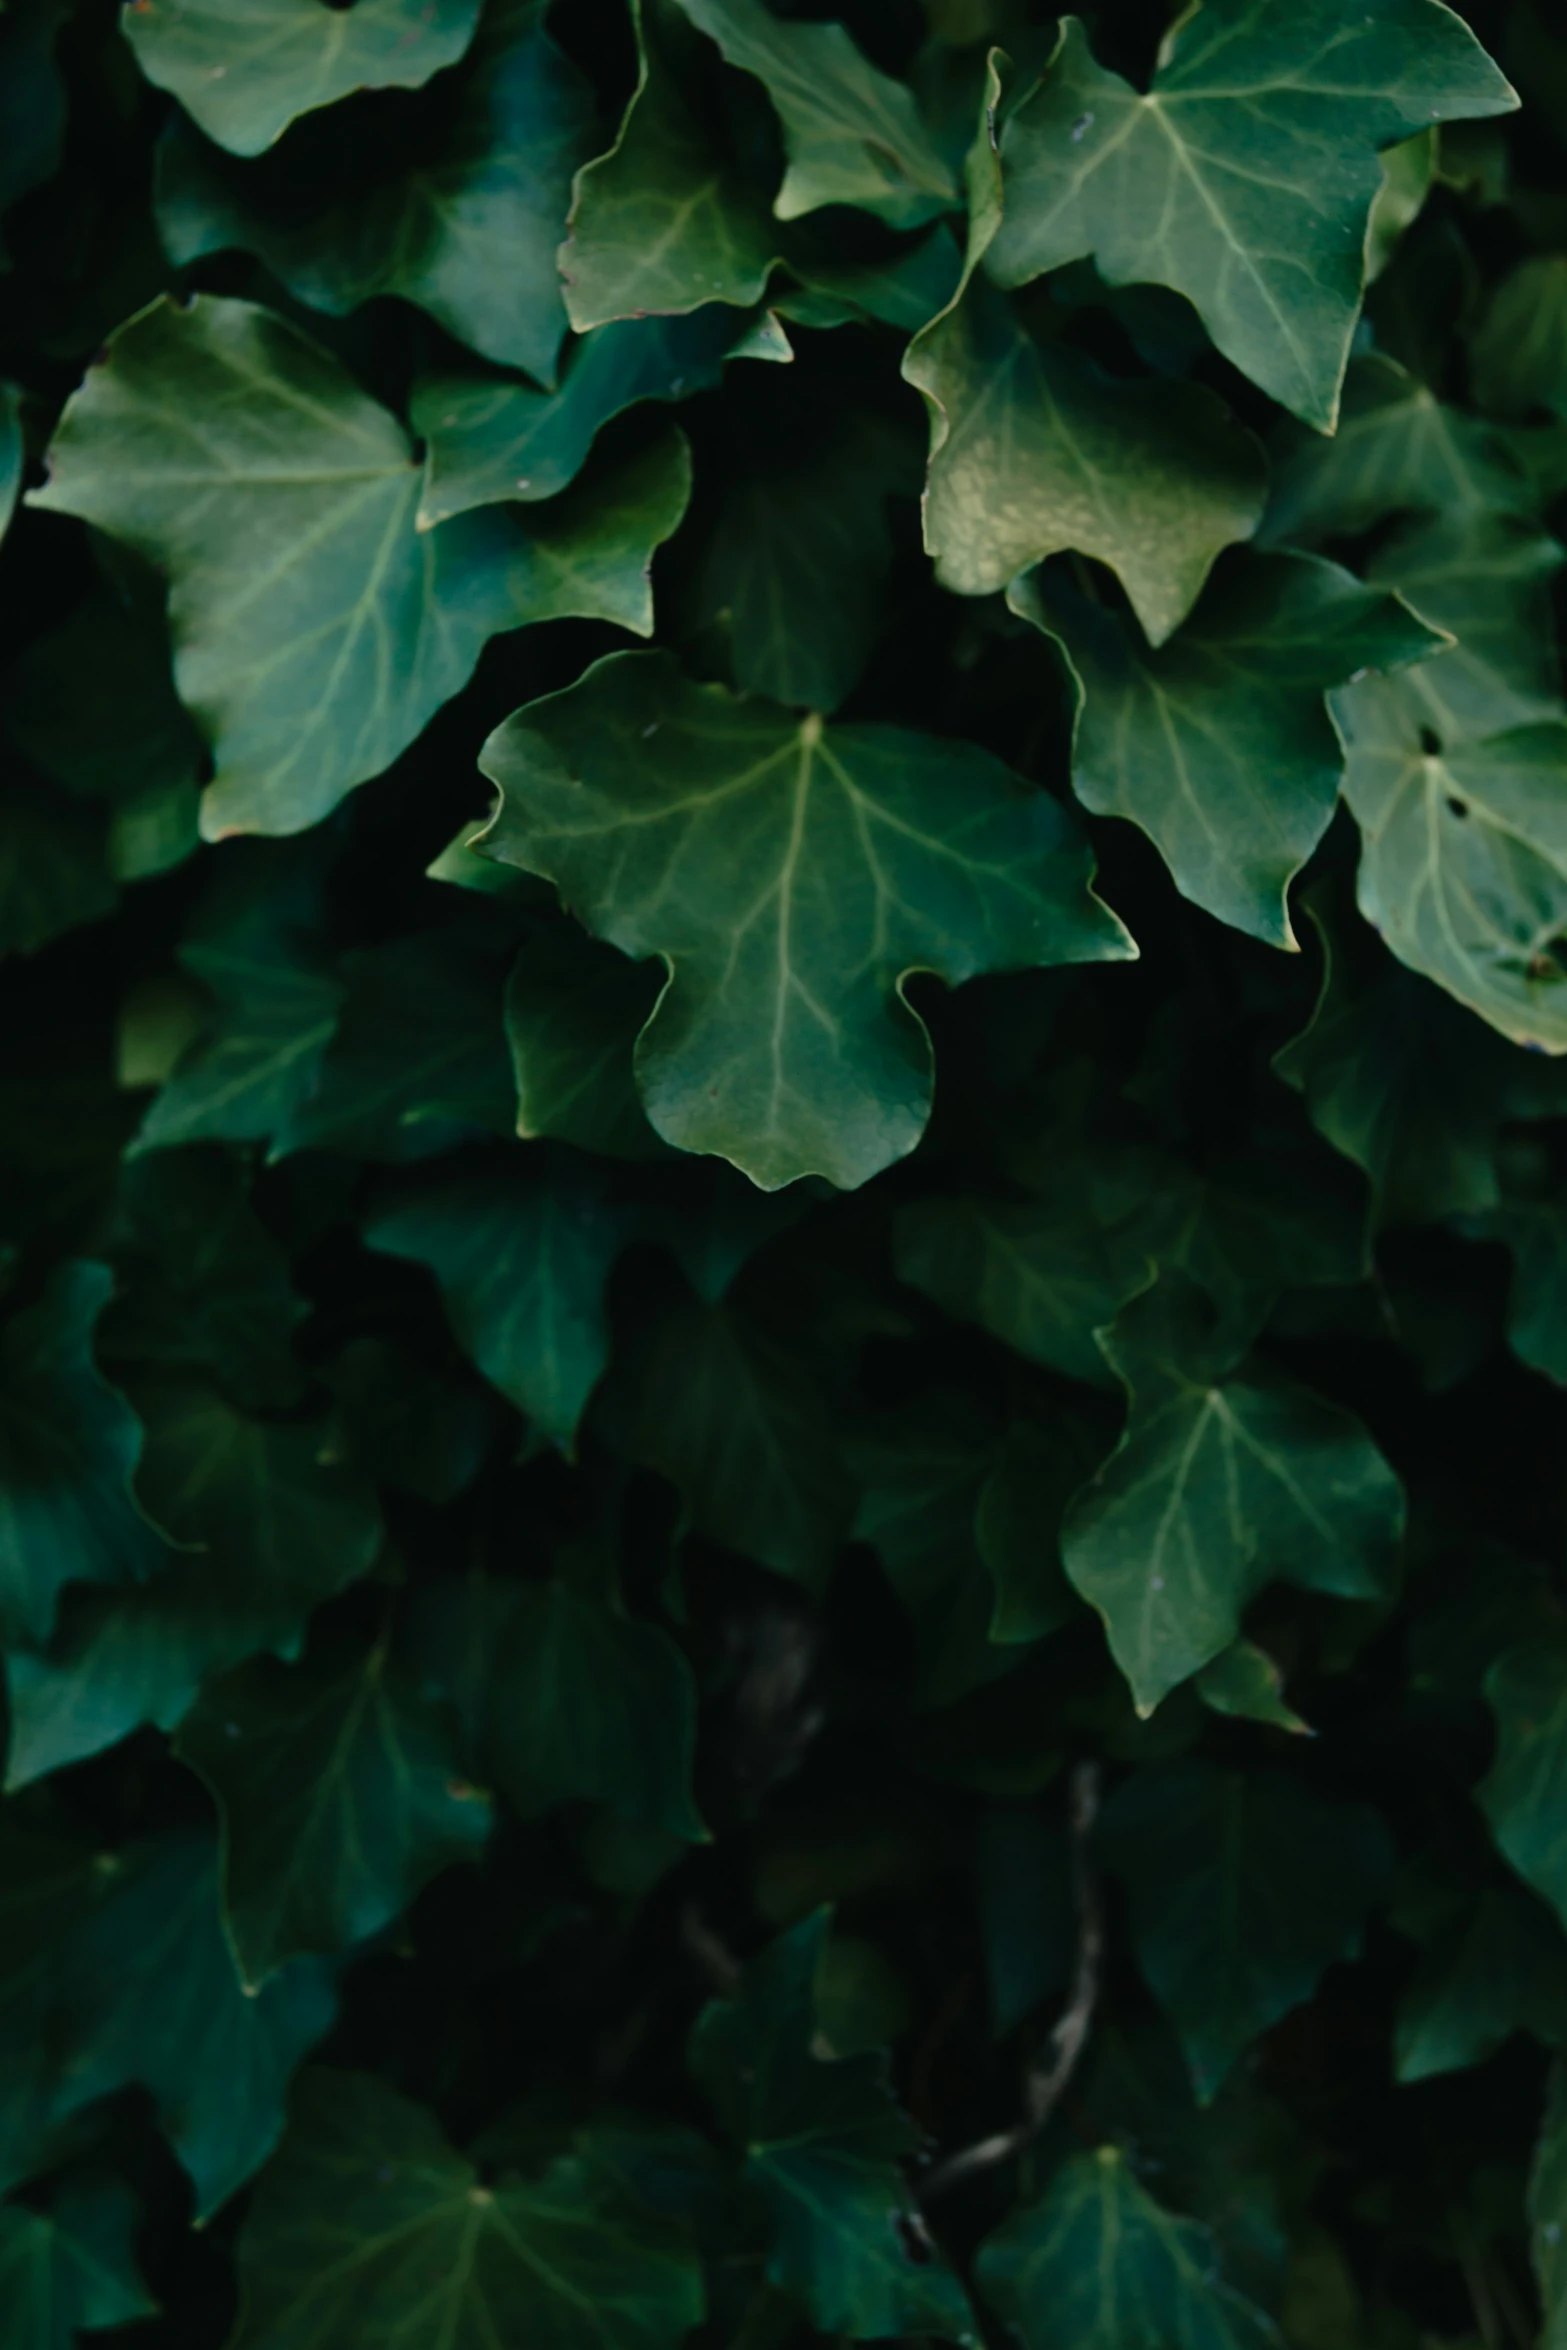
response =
{"points": [[1243, 1889], [465, 221], [69, 1444], [792, 877], [851, 133], [418, 1059], [1219, 744], [1033, 449], [367, 2218], [245, 68], [822, 2142], [1518, 353], [270, 1522], [339, 1795], [1223, 1482], [1245, 176], [666, 221], [1097, 2264], [1548, 2212], [315, 629], [737, 1419], [522, 1250], [1524, 1795], [72, 2269], [1397, 450], [1463, 865], [489, 441], [586, 1702], [1500, 1967]]}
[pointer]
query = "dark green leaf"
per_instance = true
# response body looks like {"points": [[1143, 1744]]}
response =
{"points": [[70, 2270]]}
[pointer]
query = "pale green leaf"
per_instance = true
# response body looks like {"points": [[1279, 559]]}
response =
{"points": [[1245, 176], [246, 68], [369, 2221], [792, 877]]}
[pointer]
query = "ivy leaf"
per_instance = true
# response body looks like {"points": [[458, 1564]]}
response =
{"points": [[853, 135], [1534, 1231], [246, 68], [1097, 2264], [1246, 1684], [584, 1701], [1498, 1968], [1033, 449], [487, 442], [1222, 1482], [1243, 1889], [340, 1798], [1522, 1794], [367, 2213], [1219, 744], [1245, 176], [1485, 579], [783, 1041], [281, 503], [1398, 449], [1518, 352], [574, 1010], [69, 1445], [465, 222], [722, 1406], [418, 1057], [822, 2142], [70, 2270], [1463, 865], [1042, 1276], [522, 1252], [664, 222]]}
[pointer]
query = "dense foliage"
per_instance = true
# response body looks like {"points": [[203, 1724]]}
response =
{"points": [[784, 855]]}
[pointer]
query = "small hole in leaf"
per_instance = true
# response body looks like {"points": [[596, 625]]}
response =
{"points": [[1430, 742], [1457, 807]]}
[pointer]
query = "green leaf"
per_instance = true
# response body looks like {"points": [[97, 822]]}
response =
{"points": [[54, 867], [1398, 449], [574, 1010], [269, 1521], [1243, 1889], [11, 452], [719, 1403], [245, 68], [70, 2270], [783, 1041], [586, 1702], [1097, 2264], [490, 441], [418, 1057], [666, 221], [822, 2143], [1246, 1683], [1223, 1482], [113, 1971], [69, 1445], [340, 1798], [465, 221], [1463, 867], [793, 577], [1017, 1525], [1548, 2212], [228, 449], [1522, 1794], [1219, 744], [1534, 1231], [1033, 449], [367, 2215], [1245, 176], [1518, 353], [851, 133], [522, 1250], [1498, 1968]]}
